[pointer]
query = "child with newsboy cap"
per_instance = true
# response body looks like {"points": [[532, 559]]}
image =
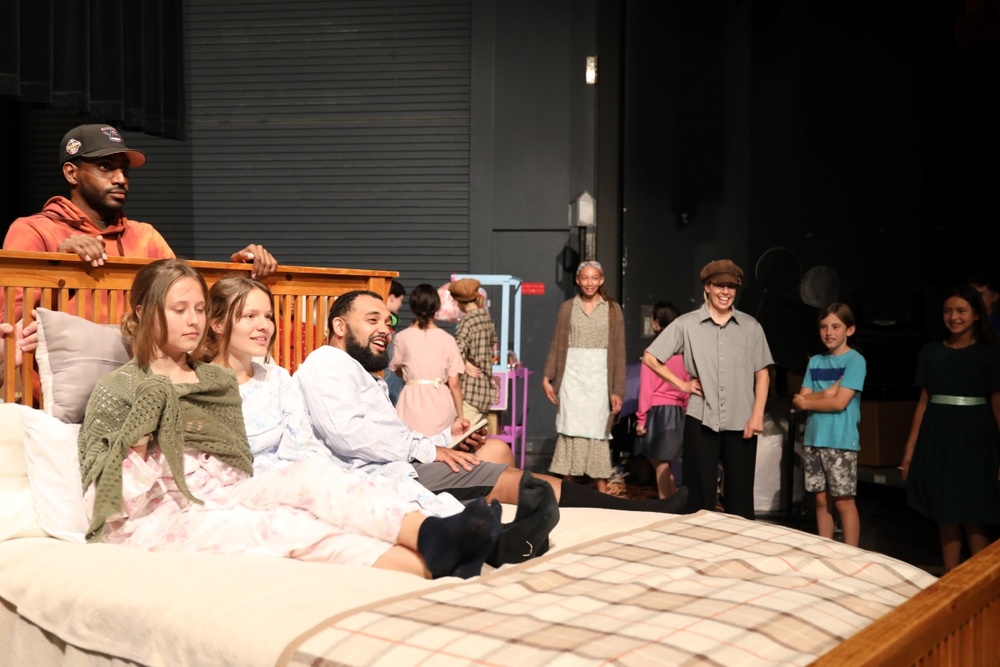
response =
{"points": [[476, 335]]}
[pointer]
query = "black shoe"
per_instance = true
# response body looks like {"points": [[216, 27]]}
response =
{"points": [[527, 536]]}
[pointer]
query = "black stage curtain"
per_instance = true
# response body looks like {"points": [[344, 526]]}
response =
{"points": [[117, 61]]}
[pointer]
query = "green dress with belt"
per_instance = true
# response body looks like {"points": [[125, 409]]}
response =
{"points": [[953, 473]]}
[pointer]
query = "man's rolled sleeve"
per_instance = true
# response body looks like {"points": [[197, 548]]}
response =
{"points": [[667, 343], [424, 448]]}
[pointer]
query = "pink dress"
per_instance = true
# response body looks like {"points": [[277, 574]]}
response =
{"points": [[427, 357]]}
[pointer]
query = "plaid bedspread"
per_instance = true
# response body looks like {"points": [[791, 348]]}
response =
{"points": [[705, 589]]}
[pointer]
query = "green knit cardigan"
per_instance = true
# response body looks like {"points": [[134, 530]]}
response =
{"points": [[132, 402]]}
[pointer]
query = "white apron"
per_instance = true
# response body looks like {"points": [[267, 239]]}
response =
{"points": [[584, 405]]}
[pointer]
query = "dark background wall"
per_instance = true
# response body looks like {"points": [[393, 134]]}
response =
{"points": [[687, 110], [852, 137], [450, 136], [532, 153]]}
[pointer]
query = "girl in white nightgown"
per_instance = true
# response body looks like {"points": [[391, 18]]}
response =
{"points": [[240, 337]]}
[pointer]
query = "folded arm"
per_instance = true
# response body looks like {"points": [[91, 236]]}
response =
{"points": [[832, 399]]}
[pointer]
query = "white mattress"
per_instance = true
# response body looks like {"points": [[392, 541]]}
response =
{"points": [[108, 601]]}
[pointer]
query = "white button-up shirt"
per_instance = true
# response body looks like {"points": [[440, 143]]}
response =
{"points": [[351, 413]]}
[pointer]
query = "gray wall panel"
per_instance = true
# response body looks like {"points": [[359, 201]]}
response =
{"points": [[335, 133]]}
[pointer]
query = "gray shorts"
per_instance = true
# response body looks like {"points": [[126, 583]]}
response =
{"points": [[465, 485], [831, 469]]}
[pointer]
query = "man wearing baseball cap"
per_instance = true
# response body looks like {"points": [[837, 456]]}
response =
{"points": [[91, 222], [726, 354]]}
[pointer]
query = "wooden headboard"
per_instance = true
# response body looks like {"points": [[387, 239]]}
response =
{"points": [[302, 298]]}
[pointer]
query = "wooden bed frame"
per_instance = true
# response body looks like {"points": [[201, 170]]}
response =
{"points": [[954, 622], [302, 298]]}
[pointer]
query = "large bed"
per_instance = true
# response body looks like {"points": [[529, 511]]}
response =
{"points": [[617, 587]]}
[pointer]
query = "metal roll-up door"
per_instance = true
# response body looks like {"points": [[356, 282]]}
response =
{"points": [[334, 133]]}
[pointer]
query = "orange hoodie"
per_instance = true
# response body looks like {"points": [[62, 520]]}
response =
{"points": [[60, 219]]}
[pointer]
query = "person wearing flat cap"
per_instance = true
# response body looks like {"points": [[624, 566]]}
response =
{"points": [[91, 223], [726, 354], [476, 335]]}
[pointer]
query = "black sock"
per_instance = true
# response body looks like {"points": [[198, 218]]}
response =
{"points": [[527, 536], [458, 545], [475, 554], [575, 495]]}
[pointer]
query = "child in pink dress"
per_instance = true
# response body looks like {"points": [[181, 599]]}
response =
{"points": [[660, 417], [166, 464], [429, 361]]}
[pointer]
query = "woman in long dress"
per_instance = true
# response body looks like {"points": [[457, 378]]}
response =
{"points": [[952, 459], [585, 377]]}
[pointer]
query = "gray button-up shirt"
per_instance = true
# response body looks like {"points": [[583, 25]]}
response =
{"points": [[723, 358]]}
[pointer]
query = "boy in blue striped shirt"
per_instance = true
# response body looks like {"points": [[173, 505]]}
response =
{"points": [[831, 391]]}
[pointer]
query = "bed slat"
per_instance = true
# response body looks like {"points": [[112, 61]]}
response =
{"points": [[302, 295]]}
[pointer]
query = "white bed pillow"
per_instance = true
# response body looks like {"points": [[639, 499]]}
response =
{"points": [[17, 515], [53, 462], [73, 355]]}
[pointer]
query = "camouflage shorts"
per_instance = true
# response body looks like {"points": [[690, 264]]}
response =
{"points": [[836, 469]]}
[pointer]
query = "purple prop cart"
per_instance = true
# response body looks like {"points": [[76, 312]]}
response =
{"points": [[509, 384], [506, 385]]}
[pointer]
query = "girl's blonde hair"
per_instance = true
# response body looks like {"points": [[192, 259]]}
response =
{"points": [[226, 300], [148, 333]]}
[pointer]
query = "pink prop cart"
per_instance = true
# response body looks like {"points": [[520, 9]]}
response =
{"points": [[510, 383]]}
